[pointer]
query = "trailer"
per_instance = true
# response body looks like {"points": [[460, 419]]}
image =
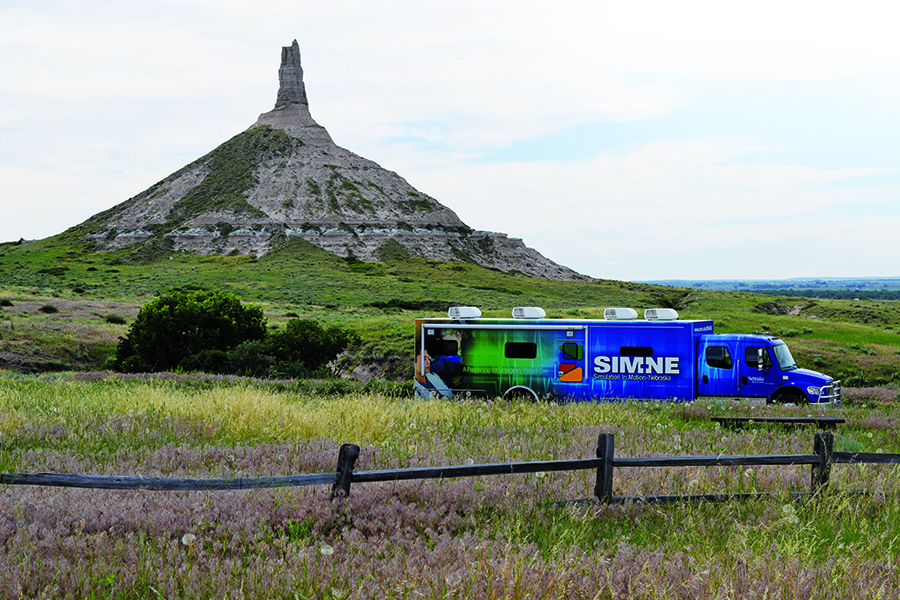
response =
{"points": [[620, 356]]}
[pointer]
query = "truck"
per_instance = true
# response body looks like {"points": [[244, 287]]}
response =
{"points": [[618, 357]]}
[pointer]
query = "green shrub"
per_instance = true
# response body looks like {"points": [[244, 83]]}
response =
{"points": [[391, 250], [114, 319], [304, 348], [48, 309], [207, 361], [5, 302], [248, 359], [174, 330]]}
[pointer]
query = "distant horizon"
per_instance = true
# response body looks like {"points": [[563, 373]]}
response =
{"points": [[799, 278]]}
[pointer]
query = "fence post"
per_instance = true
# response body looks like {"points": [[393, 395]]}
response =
{"points": [[346, 461], [605, 452], [823, 446]]}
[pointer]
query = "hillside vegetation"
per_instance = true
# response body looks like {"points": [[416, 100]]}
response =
{"points": [[66, 306]]}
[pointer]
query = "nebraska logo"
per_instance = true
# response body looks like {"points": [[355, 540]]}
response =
{"points": [[637, 365]]}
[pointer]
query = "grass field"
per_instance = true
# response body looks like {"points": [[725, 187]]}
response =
{"points": [[491, 537], [95, 296]]}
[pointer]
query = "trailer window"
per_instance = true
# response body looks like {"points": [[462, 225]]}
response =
{"points": [[445, 348], [718, 357], [521, 350], [635, 351]]}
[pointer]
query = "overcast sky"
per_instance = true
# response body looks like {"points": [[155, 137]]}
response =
{"points": [[627, 140]]}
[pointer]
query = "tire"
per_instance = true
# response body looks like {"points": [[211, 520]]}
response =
{"points": [[794, 398]]}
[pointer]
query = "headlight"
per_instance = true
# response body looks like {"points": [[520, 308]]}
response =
{"points": [[814, 391]]}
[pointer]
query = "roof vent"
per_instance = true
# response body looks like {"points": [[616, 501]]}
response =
{"points": [[529, 312], [661, 314], [619, 314], [464, 312]]}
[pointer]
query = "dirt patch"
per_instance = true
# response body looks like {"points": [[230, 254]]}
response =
{"points": [[72, 308], [28, 364], [772, 308]]}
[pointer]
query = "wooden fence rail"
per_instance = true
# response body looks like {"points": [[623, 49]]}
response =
{"points": [[163, 484], [820, 460]]}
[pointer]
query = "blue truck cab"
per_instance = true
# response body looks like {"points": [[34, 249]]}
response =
{"points": [[620, 356], [759, 367]]}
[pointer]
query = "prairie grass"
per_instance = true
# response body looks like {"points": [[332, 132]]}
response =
{"points": [[491, 537]]}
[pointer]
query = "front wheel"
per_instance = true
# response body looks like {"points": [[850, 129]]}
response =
{"points": [[789, 398]]}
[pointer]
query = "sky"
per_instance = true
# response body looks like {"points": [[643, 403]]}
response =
{"points": [[630, 140]]}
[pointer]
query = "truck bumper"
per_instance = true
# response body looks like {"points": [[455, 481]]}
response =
{"points": [[830, 394]]}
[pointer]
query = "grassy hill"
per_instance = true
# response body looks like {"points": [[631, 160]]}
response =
{"points": [[67, 305]]}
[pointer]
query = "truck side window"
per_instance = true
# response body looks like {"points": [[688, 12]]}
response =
{"points": [[751, 357], [526, 350], [718, 357]]}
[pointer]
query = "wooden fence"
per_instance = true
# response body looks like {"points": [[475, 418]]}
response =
{"points": [[820, 460]]}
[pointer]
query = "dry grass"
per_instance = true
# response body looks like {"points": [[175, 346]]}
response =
{"points": [[493, 537]]}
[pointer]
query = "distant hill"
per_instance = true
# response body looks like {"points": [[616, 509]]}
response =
{"points": [[874, 288], [285, 178]]}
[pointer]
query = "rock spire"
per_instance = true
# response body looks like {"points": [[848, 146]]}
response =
{"points": [[290, 79], [291, 112]]}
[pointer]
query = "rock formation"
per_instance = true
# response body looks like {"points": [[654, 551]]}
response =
{"points": [[285, 176], [291, 112]]}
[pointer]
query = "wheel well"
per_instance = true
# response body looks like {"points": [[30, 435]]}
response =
{"points": [[786, 391], [520, 391]]}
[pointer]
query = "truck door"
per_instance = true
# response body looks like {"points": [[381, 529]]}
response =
{"points": [[759, 375], [717, 368]]}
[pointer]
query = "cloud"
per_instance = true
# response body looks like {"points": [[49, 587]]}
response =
{"points": [[664, 210]]}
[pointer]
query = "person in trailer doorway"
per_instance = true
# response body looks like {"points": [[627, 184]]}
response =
{"points": [[429, 384]]}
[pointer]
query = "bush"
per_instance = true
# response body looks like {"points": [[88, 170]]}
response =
{"points": [[207, 361], [181, 329], [48, 309], [5, 302], [249, 360], [114, 319], [304, 348]]}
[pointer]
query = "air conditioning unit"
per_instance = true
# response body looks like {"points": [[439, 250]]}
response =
{"points": [[528, 312], [620, 314], [661, 314], [464, 312]]}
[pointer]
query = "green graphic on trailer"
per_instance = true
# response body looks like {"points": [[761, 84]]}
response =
{"points": [[491, 361], [496, 360]]}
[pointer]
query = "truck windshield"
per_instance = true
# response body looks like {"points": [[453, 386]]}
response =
{"points": [[784, 358]]}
